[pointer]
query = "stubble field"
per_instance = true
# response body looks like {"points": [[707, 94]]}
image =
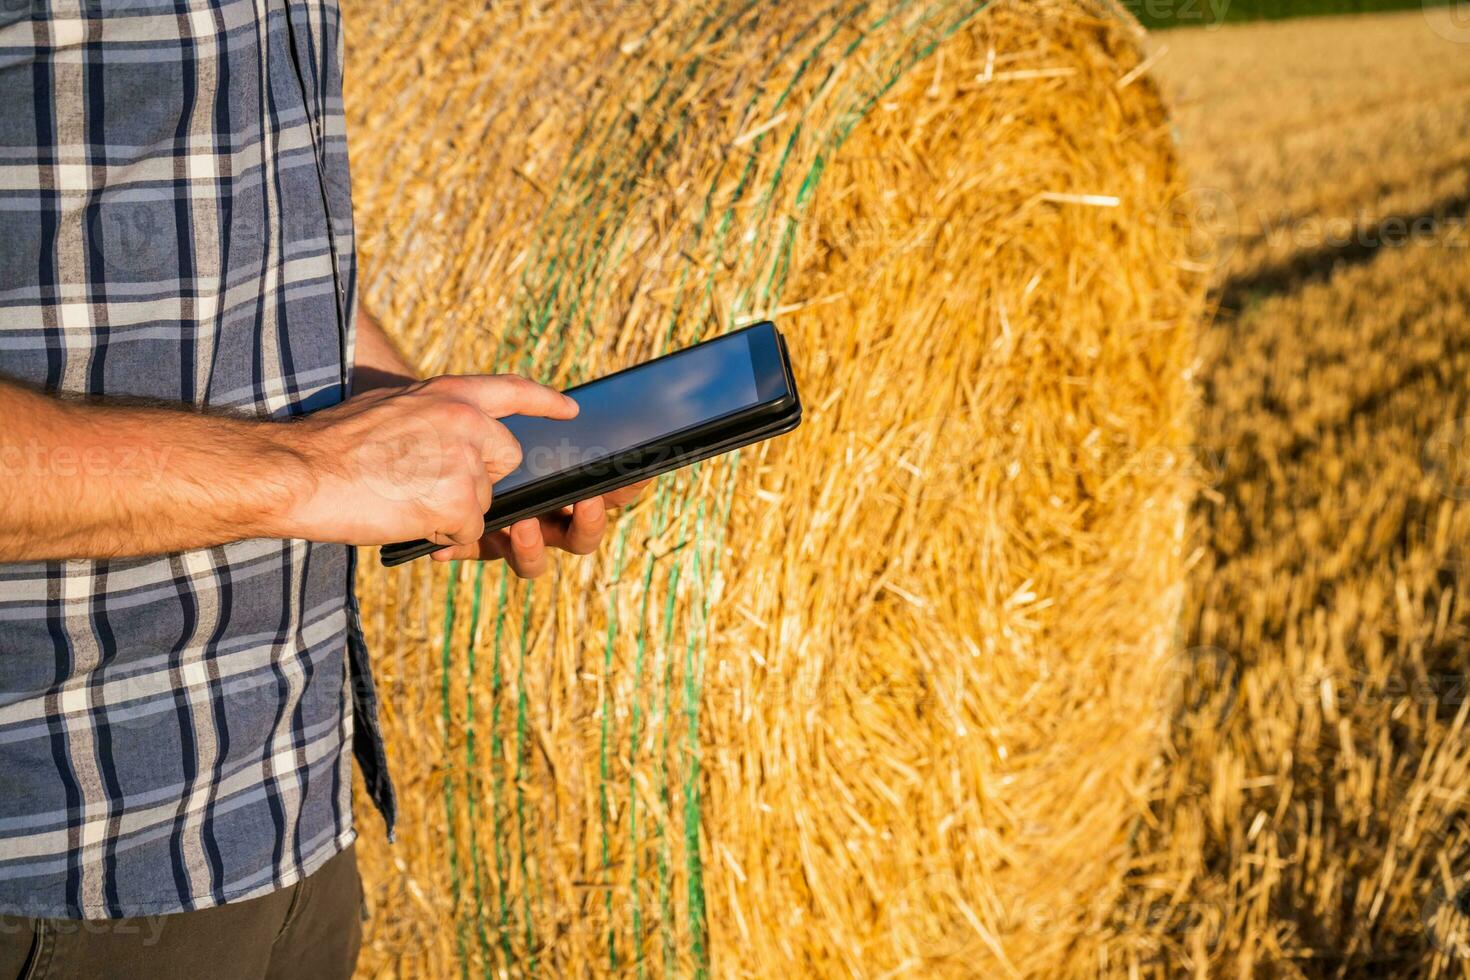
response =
{"points": [[1311, 812]]}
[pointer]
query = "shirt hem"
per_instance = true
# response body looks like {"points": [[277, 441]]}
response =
{"points": [[308, 867]]}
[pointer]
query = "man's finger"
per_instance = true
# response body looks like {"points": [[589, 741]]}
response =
{"points": [[493, 546], [625, 495], [481, 479], [583, 532], [527, 556], [499, 395], [467, 532], [501, 451]]}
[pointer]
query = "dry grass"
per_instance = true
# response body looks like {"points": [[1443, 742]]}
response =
{"points": [[1311, 819], [881, 699]]}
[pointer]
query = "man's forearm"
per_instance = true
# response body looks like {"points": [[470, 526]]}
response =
{"points": [[378, 362], [398, 460], [88, 480], [83, 480]]}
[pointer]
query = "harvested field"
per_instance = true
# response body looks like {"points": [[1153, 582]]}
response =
{"points": [[882, 697], [1311, 819]]}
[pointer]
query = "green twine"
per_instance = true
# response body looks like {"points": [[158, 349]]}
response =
{"points": [[449, 818], [693, 865], [604, 766], [497, 781], [522, 749], [634, 733], [472, 770], [569, 277], [665, 860]]}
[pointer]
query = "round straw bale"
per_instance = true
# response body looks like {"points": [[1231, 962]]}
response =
{"points": [[880, 697]]}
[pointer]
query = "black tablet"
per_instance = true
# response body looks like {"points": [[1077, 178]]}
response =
{"points": [[657, 416]]}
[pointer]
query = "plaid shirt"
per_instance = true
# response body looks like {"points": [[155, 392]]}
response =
{"points": [[177, 731]]}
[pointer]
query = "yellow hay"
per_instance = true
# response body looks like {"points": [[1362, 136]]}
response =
{"points": [[879, 698]]}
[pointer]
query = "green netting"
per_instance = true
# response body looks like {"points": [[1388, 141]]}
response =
{"points": [[581, 236]]}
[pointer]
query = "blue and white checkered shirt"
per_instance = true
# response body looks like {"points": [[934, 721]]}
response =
{"points": [[175, 223]]}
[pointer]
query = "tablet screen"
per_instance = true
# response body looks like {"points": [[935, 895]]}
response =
{"points": [[639, 406]]}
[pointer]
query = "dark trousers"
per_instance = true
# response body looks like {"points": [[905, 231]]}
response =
{"points": [[311, 930]]}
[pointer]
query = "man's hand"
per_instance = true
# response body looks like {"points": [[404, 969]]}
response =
{"points": [[82, 478], [91, 480], [522, 546], [577, 529], [419, 461]]}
